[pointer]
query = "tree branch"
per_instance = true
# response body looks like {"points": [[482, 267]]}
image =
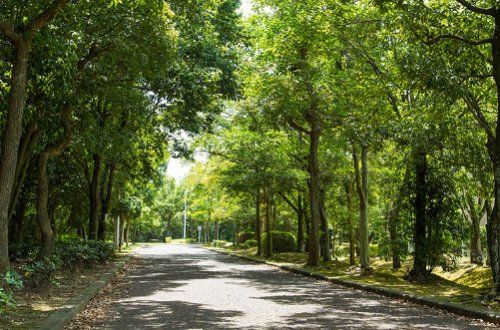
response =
{"points": [[461, 39], [9, 32], [48, 15], [474, 108], [484, 11]]}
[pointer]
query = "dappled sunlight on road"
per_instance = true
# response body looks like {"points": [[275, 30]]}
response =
{"points": [[182, 286]]}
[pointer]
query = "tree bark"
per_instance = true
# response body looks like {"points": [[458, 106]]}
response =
{"points": [[325, 235], [106, 194], [362, 189], [10, 143], [216, 230], [94, 197], [348, 186], [314, 188], [419, 230], [258, 225], [47, 234], [476, 253], [300, 223], [269, 240]]}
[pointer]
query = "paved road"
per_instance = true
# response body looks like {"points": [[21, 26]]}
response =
{"points": [[181, 286]]}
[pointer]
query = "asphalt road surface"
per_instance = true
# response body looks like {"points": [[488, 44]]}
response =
{"points": [[187, 287]]}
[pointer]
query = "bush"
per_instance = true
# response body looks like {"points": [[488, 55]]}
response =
{"points": [[249, 243], [282, 241], [23, 250], [7, 282], [168, 239], [219, 243], [75, 254], [244, 236], [39, 274]]}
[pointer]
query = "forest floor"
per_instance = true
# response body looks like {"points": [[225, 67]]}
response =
{"points": [[34, 306], [465, 285]]}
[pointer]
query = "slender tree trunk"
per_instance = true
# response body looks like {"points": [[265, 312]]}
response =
{"points": [[351, 232], [216, 230], [269, 239], [106, 193], [419, 231], [476, 253], [94, 197], [27, 145], [17, 221], [10, 143], [258, 225], [300, 223], [314, 189], [47, 232], [362, 188], [325, 235]]}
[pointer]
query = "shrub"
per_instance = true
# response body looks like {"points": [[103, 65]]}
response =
{"points": [[76, 254], [7, 282], [25, 250], [219, 243], [282, 241], [249, 243], [244, 236], [168, 239], [39, 274]]}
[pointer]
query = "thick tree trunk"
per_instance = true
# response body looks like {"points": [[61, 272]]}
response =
{"points": [[362, 188], [94, 197], [45, 225], [257, 224], [314, 189], [106, 194], [325, 234], [10, 143], [419, 230]]}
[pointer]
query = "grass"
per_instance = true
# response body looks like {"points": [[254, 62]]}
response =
{"points": [[465, 286]]}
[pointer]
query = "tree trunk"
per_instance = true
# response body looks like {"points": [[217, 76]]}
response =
{"points": [[362, 189], [393, 237], [269, 240], [106, 193], [314, 189], [45, 226], [419, 231], [216, 230], [325, 234], [94, 197], [258, 226], [300, 223], [476, 253], [10, 143], [27, 145], [17, 221], [352, 236]]}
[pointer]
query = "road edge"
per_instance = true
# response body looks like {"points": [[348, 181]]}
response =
{"points": [[64, 314], [461, 310]]}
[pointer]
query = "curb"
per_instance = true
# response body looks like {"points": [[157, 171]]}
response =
{"points": [[454, 308], [64, 314]]}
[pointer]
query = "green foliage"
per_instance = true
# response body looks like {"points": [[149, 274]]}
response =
{"points": [[168, 239], [249, 243], [219, 243], [282, 241], [244, 236], [8, 282]]}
